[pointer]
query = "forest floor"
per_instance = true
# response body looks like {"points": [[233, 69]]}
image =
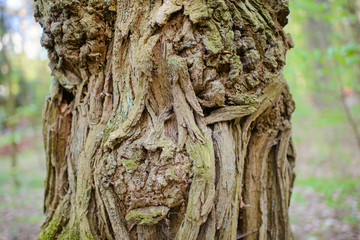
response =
{"points": [[325, 201], [21, 212]]}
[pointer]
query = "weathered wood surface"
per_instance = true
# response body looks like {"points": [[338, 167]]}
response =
{"points": [[167, 119]]}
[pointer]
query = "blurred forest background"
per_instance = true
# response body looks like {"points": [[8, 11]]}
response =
{"points": [[323, 71]]}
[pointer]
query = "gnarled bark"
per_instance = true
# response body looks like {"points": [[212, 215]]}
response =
{"points": [[167, 120]]}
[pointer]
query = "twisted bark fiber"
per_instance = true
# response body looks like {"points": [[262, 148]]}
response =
{"points": [[167, 119]]}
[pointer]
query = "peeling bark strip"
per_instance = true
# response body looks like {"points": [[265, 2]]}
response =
{"points": [[167, 120]]}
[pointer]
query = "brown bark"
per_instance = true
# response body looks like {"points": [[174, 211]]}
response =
{"points": [[12, 125], [167, 120]]}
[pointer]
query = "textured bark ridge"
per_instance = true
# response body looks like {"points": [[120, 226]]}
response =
{"points": [[167, 119]]}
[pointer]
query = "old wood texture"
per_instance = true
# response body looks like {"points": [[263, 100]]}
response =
{"points": [[167, 119]]}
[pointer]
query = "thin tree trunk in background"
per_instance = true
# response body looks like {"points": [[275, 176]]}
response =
{"points": [[6, 71], [318, 32], [354, 10], [347, 111], [12, 125], [351, 119], [167, 120], [353, 7]]}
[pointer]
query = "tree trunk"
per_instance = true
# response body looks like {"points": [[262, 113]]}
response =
{"points": [[318, 33], [353, 8], [167, 120]]}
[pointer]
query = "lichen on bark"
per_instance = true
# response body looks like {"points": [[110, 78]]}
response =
{"points": [[167, 119]]}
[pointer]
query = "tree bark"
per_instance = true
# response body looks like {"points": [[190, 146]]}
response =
{"points": [[167, 120]]}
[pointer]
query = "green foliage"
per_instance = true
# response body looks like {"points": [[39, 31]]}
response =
{"points": [[324, 63], [298, 198], [340, 48], [30, 81], [31, 168], [335, 190], [24, 81]]}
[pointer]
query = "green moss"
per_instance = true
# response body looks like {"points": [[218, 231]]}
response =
{"points": [[212, 38], [148, 215], [260, 7], [129, 164], [250, 99], [57, 223], [50, 231], [199, 171], [247, 99], [89, 236], [197, 11], [112, 126], [229, 41], [71, 234], [202, 156], [249, 16], [138, 155]]}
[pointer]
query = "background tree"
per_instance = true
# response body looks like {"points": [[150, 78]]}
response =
{"points": [[167, 119], [19, 94], [11, 101], [329, 52]]}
